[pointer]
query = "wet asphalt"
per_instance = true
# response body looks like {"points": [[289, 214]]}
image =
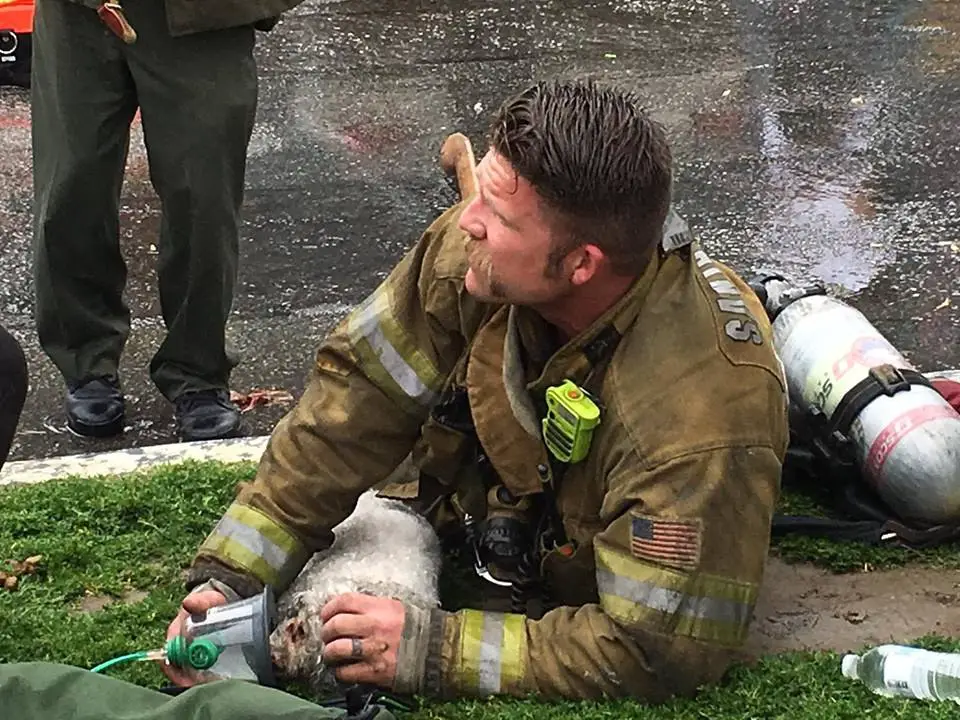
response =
{"points": [[819, 138]]}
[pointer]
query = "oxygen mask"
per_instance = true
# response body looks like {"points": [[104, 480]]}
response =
{"points": [[227, 641]]}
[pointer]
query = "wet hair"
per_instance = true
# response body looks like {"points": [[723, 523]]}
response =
{"points": [[599, 163]]}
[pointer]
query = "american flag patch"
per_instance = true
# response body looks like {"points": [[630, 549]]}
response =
{"points": [[671, 542]]}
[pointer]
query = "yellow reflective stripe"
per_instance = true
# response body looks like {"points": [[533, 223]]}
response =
{"points": [[705, 607], [493, 652], [391, 354], [513, 651], [241, 556], [248, 538], [471, 642]]}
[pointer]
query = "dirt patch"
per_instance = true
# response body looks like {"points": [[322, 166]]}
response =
{"points": [[96, 603], [802, 607]]}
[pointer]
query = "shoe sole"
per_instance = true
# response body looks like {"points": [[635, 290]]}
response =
{"points": [[239, 431], [105, 430]]}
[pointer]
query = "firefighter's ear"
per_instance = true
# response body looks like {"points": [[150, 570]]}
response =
{"points": [[584, 263]]}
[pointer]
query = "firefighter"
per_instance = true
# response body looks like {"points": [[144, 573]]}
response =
{"points": [[568, 269]]}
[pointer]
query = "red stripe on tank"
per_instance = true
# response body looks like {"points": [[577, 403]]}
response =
{"points": [[892, 434]]}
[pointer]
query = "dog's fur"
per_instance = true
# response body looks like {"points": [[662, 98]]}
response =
{"points": [[382, 549]]}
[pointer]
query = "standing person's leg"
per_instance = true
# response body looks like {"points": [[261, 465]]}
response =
{"points": [[13, 390], [198, 96], [82, 103]]}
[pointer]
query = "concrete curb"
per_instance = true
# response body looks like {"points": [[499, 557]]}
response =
{"points": [[28, 472]]}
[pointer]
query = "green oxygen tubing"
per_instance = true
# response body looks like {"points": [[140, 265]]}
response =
{"points": [[198, 654]]}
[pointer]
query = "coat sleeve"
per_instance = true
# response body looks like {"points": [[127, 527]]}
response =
{"points": [[678, 567], [372, 385]]}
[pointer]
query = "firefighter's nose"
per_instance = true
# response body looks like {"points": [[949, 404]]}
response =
{"points": [[470, 221]]}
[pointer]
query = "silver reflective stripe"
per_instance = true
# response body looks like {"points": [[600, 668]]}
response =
{"points": [[399, 370], [672, 602], [711, 271], [491, 642], [366, 323], [724, 287], [261, 546]]}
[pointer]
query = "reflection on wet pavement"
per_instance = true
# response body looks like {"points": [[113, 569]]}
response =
{"points": [[817, 137]]}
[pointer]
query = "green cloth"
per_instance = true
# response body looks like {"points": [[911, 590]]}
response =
{"points": [[48, 691]]}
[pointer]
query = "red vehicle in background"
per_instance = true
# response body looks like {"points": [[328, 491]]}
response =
{"points": [[16, 34]]}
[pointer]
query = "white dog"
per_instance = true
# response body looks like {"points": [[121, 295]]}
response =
{"points": [[383, 548]]}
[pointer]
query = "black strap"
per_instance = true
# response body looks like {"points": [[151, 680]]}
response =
{"points": [[549, 525], [882, 380], [364, 702], [599, 353], [600, 349], [551, 508], [872, 532], [837, 483], [868, 531]]}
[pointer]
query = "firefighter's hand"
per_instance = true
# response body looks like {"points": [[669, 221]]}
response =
{"points": [[361, 635], [194, 603]]}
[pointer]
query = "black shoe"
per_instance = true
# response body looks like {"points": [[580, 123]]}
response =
{"points": [[95, 408], [206, 415]]}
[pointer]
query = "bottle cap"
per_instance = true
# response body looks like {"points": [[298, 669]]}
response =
{"points": [[851, 666], [203, 654], [198, 654]]}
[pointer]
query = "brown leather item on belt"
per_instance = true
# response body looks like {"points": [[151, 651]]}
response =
{"points": [[112, 16]]}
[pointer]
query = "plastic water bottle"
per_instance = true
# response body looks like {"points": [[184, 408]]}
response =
{"points": [[898, 671]]}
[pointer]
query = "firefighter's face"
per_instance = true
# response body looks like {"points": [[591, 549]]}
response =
{"points": [[510, 241]]}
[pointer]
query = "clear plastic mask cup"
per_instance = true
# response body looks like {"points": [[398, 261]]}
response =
{"points": [[235, 641]]}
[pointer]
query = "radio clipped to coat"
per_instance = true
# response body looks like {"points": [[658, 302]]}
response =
{"points": [[572, 416]]}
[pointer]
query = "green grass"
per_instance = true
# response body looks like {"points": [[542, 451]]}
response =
{"points": [[105, 538], [112, 536]]}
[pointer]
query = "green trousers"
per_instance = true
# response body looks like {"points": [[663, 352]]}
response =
{"points": [[47, 691], [197, 96]]}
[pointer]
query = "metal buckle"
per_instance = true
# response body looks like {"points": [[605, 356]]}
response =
{"points": [[478, 565], [890, 379]]}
